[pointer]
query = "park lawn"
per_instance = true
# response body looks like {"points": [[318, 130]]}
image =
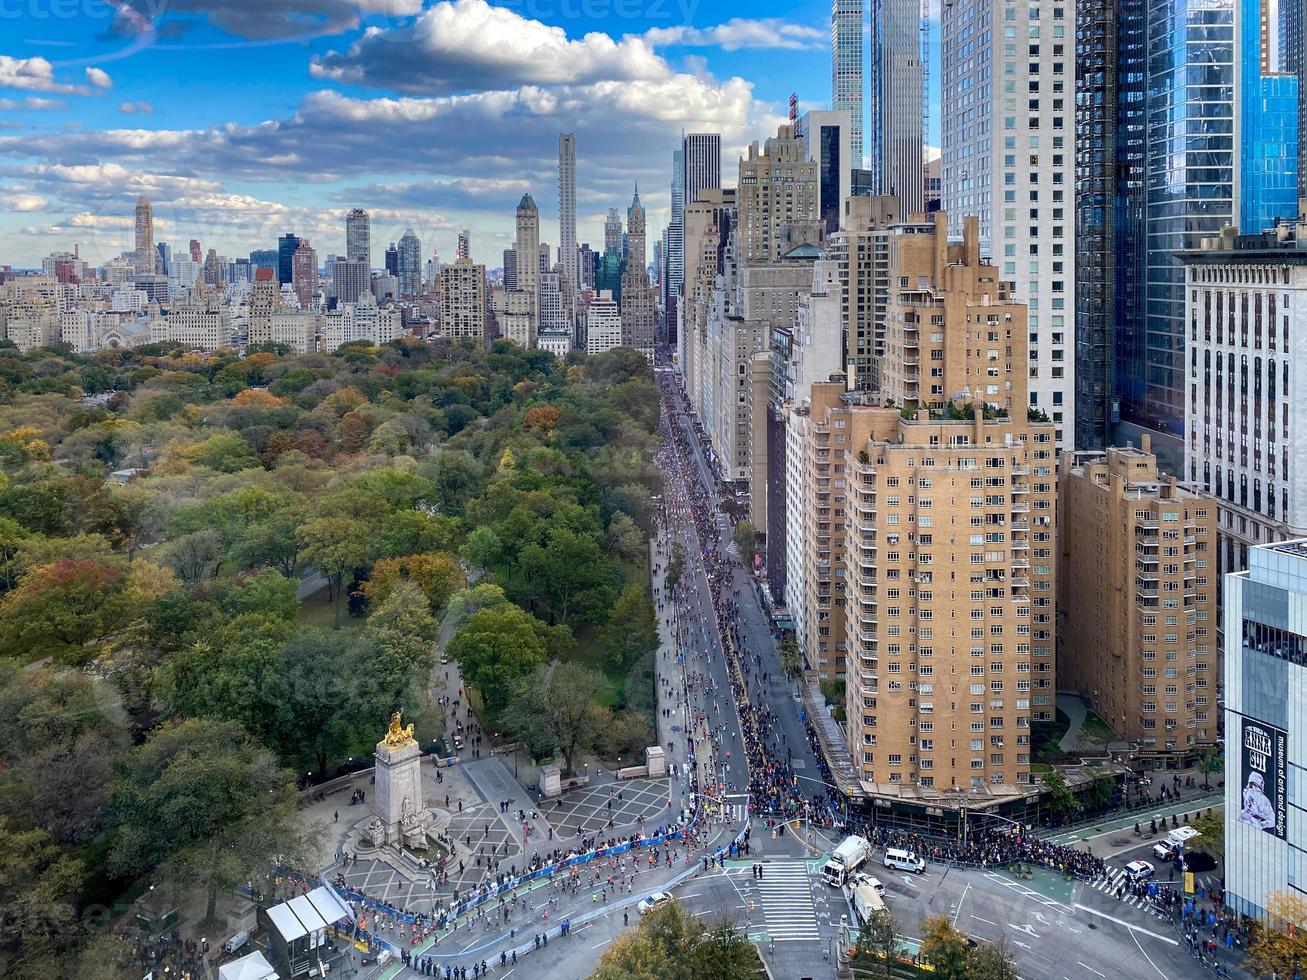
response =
{"points": [[317, 610], [1096, 730], [1047, 738], [590, 654]]}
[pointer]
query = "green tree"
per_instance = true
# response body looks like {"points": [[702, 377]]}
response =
{"points": [[1210, 765], [437, 574], [675, 566], [495, 647], [61, 731], [38, 892], [670, 942], [400, 632], [746, 539], [631, 631], [1061, 801], [200, 802], [70, 608], [790, 661], [415, 532], [1212, 826], [266, 592], [944, 948], [878, 943], [335, 546], [1278, 947], [565, 572], [555, 708], [991, 961]]}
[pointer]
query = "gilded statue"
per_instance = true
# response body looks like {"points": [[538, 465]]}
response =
{"points": [[398, 735]]}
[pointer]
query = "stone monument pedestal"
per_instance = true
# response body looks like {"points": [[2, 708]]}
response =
{"points": [[551, 781], [401, 814], [656, 761]]}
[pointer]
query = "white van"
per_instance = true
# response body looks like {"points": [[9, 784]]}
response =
{"points": [[903, 860]]}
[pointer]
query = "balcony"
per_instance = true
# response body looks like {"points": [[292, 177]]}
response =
{"points": [[1018, 508], [1020, 488]]}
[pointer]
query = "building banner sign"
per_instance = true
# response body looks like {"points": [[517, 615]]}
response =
{"points": [[1264, 756]]}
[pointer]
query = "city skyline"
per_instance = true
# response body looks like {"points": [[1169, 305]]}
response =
{"points": [[272, 142]]}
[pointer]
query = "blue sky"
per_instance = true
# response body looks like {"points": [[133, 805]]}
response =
{"points": [[244, 118]]}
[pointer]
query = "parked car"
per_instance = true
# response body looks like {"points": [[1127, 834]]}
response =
{"points": [[653, 901], [1139, 870], [1198, 861]]}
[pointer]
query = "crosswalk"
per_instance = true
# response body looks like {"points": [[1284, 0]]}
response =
{"points": [[785, 892], [1110, 883]]}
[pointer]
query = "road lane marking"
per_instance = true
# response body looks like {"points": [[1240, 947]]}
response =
{"points": [[979, 919], [604, 943], [1129, 925], [1149, 958], [1089, 968]]}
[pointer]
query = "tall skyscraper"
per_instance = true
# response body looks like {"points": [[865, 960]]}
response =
{"points": [[528, 251], [567, 205], [701, 155], [826, 135], [1293, 59], [146, 258], [409, 268], [196, 255], [464, 248], [674, 280], [304, 273], [637, 293], [847, 38], [509, 277], [613, 230], [1266, 121], [392, 261], [895, 118], [1109, 246], [1015, 170], [777, 193], [213, 269], [286, 246], [1155, 74], [358, 236]]}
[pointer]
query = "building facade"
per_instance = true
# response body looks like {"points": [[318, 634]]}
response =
{"points": [[896, 112], [1137, 584], [409, 264], [1245, 436], [1008, 96], [847, 42], [567, 207], [463, 299], [1266, 124], [827, 140], [1265, 726], [777, 190], [358, 237], [146, 257]]}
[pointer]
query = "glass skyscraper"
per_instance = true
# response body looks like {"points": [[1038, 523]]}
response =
{"points": [[1155, 117], [847, 41], [1189, 194], [1268, 122]]}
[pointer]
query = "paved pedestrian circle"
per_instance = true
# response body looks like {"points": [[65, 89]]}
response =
{"points": [[590, 810]]}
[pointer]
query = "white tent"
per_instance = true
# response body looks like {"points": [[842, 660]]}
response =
{"points": [[252, 967]]}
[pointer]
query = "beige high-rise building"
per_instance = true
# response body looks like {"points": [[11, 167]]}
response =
{"points": [[705, 221], [983, 357], [922, 551], [777, 188], [146, 257], [528, 270], [1137, 582], [861, 250], [637, 292], [463, 299]]}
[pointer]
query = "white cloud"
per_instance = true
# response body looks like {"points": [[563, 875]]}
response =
{"points": [[259, 19], [136, 107], [99, 78], [32, 102], [741, 32], [32, 74], [22, 202], [468, 45]]}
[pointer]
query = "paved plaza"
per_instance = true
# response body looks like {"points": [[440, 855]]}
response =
{"points": [[596, 809]]}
